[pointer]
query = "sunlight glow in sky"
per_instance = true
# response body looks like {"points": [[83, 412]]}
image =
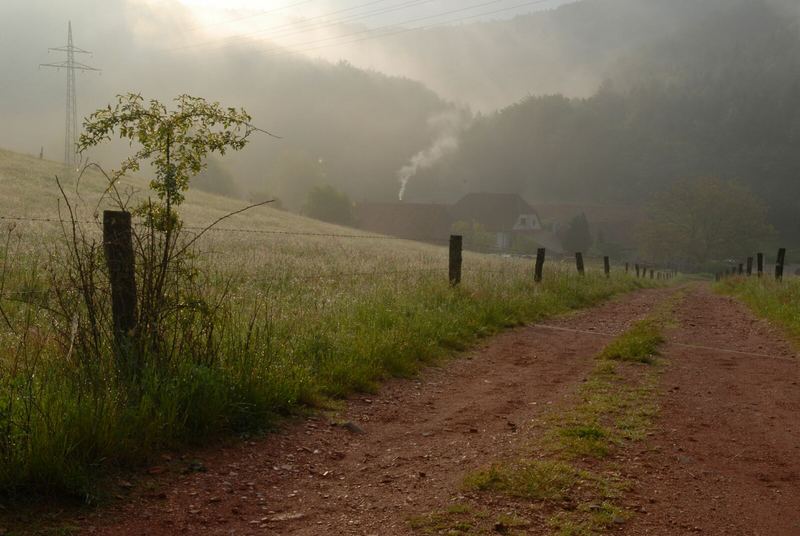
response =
{"points": [[330, 29], [224, 16]]}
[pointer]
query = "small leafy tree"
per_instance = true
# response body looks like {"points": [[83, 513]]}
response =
{"points": [[475, 235], [578, 237], [700, 220], [176, 143], [328, 204]]}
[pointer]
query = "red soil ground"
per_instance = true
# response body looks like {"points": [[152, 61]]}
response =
{"points": [[724, 457]]}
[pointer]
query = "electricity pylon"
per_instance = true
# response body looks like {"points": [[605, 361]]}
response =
{"points": [[71, 66]]}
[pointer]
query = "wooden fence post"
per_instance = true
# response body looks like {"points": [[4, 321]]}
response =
{"points": [[652, 272], [779, 263], [456, 258], [638, 270], [760, 264], [627, 268], [749, 266], [118, 249], [579, 263], [741, 269], [539, 272], [607, 266]]}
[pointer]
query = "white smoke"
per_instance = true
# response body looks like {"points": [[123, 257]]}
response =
{"points": [[448, 125]]}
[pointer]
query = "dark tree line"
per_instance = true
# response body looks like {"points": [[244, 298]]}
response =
{"points": [[720, 99]]}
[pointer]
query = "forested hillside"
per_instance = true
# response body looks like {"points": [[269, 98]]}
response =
{"points": [[720, 98], [568, 50]]}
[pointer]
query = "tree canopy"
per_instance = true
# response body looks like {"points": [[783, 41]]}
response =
{"points": [[701, 220], [328, 204], [721, 98], [578, 236], [175, 142]]}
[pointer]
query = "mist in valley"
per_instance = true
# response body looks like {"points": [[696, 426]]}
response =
{"points": [[588, 103]]}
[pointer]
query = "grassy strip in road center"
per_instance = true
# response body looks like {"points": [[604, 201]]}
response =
{"points": [[567, 478]]}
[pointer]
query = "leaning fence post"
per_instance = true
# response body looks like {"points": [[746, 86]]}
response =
{"points": [[607, 266], [779, 263], [118, 248], [760, 265], [456, 260], [579, 263], [540, 255], [749, 266]]}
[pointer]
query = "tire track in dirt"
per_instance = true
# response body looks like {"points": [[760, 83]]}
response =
{"points": [[407, 453], [725, 458]]}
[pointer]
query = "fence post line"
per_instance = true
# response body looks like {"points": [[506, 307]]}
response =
{"points": [[760, 264], [538, 273], [579, 263], [749, 266], [118, 249], [779, 263], [607, 266], [456, 259]]}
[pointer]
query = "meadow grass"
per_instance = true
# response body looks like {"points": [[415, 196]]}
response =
{"points": [[290, 322], [778, 302]]}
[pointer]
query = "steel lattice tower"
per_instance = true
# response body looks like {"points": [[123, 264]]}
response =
{"points": [[71, 66]]}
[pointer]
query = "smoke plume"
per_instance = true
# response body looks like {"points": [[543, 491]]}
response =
{"points": [[448, 126]]}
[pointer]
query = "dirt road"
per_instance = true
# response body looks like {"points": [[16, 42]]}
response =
{"points": [[724, 459]]}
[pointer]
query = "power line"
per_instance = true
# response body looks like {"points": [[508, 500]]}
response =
{"points": [[71, 66], [279, 51], [394, 25], [280, 26], [350, 19], [284, 51], [252, 16]]}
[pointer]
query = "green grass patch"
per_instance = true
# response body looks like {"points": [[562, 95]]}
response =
{"points": [[542, 480], [639, 344], [778, 302], [588, 519], [456, 519]]}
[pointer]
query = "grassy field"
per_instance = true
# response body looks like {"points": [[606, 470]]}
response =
{"points": [[287, 321], [778, 302]]}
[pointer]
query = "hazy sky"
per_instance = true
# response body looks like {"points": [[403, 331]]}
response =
{"points": [[133, 41], [319, 26], [223, 15]]}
